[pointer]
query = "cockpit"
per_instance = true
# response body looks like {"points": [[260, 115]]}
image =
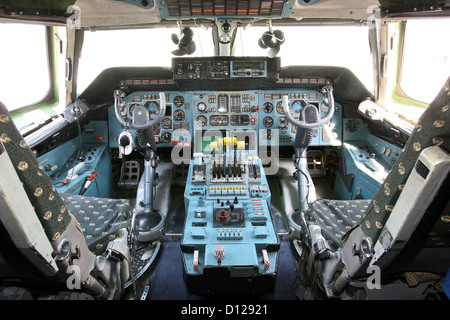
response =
{"points": [[192, 150]]}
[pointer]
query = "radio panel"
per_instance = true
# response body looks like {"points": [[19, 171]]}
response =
{"points": [[220, 68]]}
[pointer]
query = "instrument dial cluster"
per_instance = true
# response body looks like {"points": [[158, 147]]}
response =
{"points": [[225, 110]]}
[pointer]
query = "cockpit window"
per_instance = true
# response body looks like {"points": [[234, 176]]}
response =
{"points": [[133, 48], [426, 58], [24, 76], [343, 46]]}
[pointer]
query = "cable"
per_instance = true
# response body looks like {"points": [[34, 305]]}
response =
{"points": [[198, 38], [307, 178], [77, 110]]}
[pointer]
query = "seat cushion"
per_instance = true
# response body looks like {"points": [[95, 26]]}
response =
{"points": [[99, 218], [336, 217]]}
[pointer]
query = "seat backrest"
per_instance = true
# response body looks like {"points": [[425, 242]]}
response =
{"points": [[61, 228], [432, 129], [48, 205], [356, 254]]}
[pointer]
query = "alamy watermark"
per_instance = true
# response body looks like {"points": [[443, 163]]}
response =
{"points": [[374, 280], [258, 143], [73, 281]]}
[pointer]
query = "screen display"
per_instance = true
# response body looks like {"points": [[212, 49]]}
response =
{"points": [[244, 65]]}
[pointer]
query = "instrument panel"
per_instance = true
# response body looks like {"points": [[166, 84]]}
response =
{"points": [[188, 112]]}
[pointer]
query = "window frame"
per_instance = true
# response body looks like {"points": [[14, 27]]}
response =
{"points": [[51, 98], [398, 95], [51, 72]]}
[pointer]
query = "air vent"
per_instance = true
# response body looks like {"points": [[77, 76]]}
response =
{"points": [[215, 8], [422, 170]]}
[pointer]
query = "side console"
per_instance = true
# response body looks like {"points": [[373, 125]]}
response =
{"points": [[365, 164]]}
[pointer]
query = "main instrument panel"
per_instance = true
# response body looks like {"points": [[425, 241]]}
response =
{"points": [[229, 235], [190, 112]]}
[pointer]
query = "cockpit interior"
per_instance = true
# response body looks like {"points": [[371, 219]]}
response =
{"points": [[224, 149]]}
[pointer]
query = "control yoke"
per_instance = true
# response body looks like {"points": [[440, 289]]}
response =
{"points": [[140, 117], [310, 115]]}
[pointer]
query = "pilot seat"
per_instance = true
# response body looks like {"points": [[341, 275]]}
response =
{"points": [[403, 232]]}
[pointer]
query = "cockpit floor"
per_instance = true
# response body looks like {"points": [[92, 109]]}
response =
{"points": [[165, 281]]}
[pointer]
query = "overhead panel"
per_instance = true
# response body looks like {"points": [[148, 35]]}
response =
{"points": [[175, 9]]}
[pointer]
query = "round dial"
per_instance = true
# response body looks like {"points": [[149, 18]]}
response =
{"points": [[131, 108], [201, 106], [282, 122], [280, 107], [297, 105], [267, 107], [166, 123], [178, 101], [153, 108], [166, 137], [201, 121], [267, 122], [178, 115]]}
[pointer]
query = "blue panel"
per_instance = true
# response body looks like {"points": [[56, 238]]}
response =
{"points": [[331, 135], [231, 212], [367, 157], [55, 159], [354, 129], [197, 111], [96, 132], [94, 157], [175, 128]]}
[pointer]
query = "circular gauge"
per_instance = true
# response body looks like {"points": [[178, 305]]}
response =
{"points": [[201, 121], [131, 108], [178, 115], [352, 126], [166, 137], [153, 107], [201, 106], [166, 123], [156, 129], [282, 122], [297, 105], [267, 107], [178, 101], [280, 107], [267, 122]]}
